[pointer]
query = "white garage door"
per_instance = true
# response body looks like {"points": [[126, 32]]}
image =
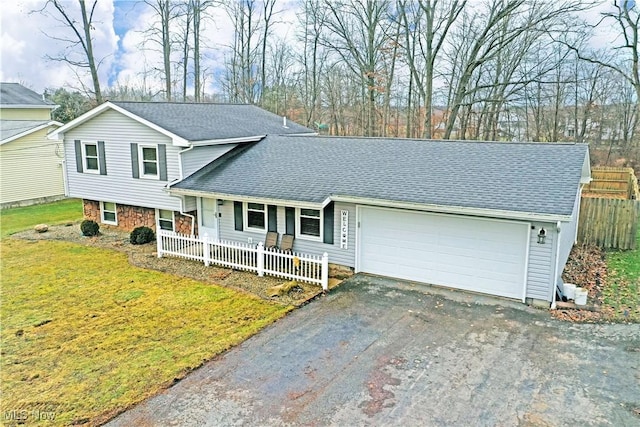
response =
{"points": [[461, 252]]}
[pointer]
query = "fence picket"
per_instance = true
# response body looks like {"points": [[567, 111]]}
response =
{"points": [[307, 268], [609, 223]]}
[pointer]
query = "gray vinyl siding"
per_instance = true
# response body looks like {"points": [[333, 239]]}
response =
{"points": [[336, 254], [118, 132], [568, 237], [541, 263], [198, 157]]}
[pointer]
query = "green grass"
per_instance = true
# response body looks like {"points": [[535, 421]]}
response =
{"points": [[18, 219], [88, 335], [622, 293]]}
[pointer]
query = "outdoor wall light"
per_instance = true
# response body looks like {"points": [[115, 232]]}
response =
{"points": [[220, 202], [542, 236]]}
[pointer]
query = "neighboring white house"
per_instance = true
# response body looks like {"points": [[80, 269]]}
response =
{"points": [[30, 163], [495, 218]]}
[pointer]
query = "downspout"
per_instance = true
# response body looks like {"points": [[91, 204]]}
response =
{"points": [[555, 273], [65, 183]]}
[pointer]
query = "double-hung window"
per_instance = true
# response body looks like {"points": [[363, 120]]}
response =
{"points": [[165, 220], [148, 161], [256, 216], [309, 224], [108, 213], [90, 154]]}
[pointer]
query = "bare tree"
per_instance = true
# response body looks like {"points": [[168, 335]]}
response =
{"points": [[358, 33], [426, 24], [81, 37], [626, 62], [166, 11]]}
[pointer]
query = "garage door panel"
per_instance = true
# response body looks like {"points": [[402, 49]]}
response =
{"points": [[462, 252]]}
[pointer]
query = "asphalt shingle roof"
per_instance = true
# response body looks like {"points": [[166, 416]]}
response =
{"points": [[16, 94], [522, 177], [200, 122], [11, 128]]}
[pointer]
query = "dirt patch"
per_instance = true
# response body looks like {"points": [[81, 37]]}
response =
{"points": [[144, 256], [587, 268]]}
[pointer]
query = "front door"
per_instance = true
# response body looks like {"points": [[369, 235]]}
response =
{"points": [[208, 218]]}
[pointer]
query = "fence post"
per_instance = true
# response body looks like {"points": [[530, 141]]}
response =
{"points": [[260, 259], [325, 271], [206, 255], [159, 243]]}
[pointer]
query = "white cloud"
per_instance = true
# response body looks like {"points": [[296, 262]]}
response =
{"points": [[26, 42]]}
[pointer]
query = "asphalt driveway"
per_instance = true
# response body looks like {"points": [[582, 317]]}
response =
{"points": [[380, 352]]}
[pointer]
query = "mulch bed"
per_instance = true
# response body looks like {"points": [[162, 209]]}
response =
{"points": [[144, 256]]}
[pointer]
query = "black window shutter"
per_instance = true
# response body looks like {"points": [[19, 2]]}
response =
{"points": [[78, 145], [162, 161], [290, 217], [135, 167], [237, 215], [328, 223], [102, 160], [272, 218]]}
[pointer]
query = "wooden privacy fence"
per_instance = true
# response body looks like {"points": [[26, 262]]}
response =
{"points": [[241, 256], [612, 183], [608, 223]]}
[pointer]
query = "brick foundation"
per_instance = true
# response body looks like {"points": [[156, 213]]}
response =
{"points": [[130, 217]]}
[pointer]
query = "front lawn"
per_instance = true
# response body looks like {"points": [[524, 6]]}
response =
{"points": [[17, 219], [622, 292], [86, 335]]}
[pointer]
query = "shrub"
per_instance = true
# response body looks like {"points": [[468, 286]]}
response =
{"points": [[89, 228], [142, 235]]}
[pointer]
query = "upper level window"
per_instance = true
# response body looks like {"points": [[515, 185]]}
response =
{"points": [[90, 154], [256, 216], [309, 223], [149, 161]]}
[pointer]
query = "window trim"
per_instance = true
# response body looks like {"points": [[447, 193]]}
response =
{"points": [[245, 214], [173, 219], [103, 210], [141, 162], [299, 235], [85, 168]]}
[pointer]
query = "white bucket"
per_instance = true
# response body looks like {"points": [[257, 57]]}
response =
{"points": [[569, 290], [581, 296]]}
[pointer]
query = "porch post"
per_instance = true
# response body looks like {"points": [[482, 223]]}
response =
{"points": [[159, 243], [325, 271], [260, 259], [205, 250]]}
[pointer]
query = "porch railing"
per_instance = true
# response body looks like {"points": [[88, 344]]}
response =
{"points": [[241, 256]]}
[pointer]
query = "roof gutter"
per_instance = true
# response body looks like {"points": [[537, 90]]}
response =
{"points": [[459, 210], [227, 196], [205, 142]]}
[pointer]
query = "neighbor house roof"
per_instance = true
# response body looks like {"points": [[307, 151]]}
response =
{"points": [[14, 129], [516, 178], [192, 123], [16, 95]]}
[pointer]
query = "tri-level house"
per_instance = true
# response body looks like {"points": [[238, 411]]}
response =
{"points": [[488, 217], [30, 164]]}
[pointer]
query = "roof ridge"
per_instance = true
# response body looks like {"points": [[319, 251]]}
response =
{"points": [[179, 103], [465, 141]]}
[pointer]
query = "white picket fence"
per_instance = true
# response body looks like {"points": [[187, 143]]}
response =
{"points": [[241, 256]]}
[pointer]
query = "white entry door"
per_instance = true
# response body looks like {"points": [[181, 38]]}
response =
{"points": [[475, 254], [208, 218]]}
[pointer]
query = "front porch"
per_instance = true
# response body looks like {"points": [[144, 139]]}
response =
{"points": [[248, 257]]}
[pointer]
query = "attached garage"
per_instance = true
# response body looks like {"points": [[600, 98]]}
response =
{"points": [[475, 254]]}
